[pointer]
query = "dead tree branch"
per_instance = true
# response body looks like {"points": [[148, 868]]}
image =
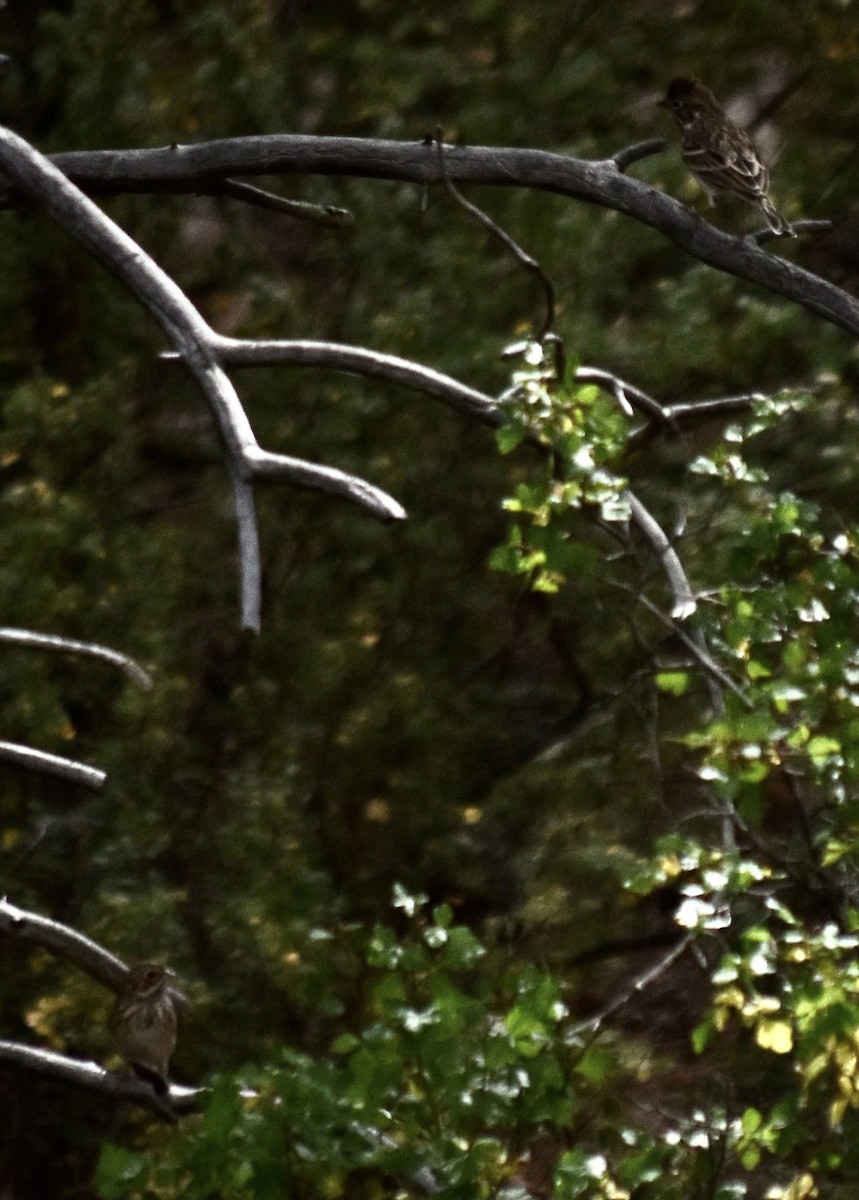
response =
{"points": [[190, 169], [639, 985], [205, 353], [191, 337], [52, 764], [94, 1078], [71, 945], [47, 641], [236, 352], [106, 969], [684, 603]]}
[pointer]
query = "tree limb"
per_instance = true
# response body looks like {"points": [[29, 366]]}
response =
{"points": [[188, 169], [684, 598], [237, 352], [94, 1078], [192, 338], [52, 764], [71, 945], [47, 641]]}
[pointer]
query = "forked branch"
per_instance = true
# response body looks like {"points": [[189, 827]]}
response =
{"points": [[206, 353], [192, 338]]}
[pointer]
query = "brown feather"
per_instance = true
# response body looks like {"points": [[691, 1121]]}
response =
{"points": [[717, 152]]}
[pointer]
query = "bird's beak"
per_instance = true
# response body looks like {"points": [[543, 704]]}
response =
{"points": [[662, 103]]}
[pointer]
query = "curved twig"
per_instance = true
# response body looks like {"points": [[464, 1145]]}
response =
{"points": [[236, 352], [628, 396], [190, 335], [52, 764], [632, 154], [48, 641], [265, 465], [508, 242], [684, 598]]}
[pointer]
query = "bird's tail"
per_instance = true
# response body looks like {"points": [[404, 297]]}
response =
{"points": [[159, 1083], [777, 223]]}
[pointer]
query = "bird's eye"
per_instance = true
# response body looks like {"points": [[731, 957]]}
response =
{"points": [[676, 103]]}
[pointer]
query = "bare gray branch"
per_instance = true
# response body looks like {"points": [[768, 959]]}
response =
{"points": [[191, 337], [48, 641], [236, 352], [52, 764], [71, 945], [684, 598], [94, 1078], [189, 168]]}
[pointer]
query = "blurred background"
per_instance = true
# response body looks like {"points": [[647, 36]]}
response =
{"points": [[407, 714]]}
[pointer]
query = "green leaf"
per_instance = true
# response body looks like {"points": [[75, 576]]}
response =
{"points": [[751, 1121], [117, 1169], [674, 682], [508, 437], [345, 1043], [702, 1035], [821, 748]]}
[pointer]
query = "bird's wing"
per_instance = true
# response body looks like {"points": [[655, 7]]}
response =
{"points": [[725, 160]]}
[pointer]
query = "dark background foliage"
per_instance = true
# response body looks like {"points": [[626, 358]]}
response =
{"points": [[406, 715]]}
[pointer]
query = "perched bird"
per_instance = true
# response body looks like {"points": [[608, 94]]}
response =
{"points": [[718, 153], [143, 1023]]}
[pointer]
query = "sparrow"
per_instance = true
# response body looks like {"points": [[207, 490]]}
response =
{"points": [[718, 153], [143, 1022]]}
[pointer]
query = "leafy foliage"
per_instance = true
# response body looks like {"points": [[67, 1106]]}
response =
{"points": [[440, 1083], [583, 434]]}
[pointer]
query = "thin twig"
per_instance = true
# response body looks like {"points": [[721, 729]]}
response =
{"points": [[47, 641], [684, 603], [684, 414], [762, 236], [632, 154], [628, 396], [714, 407], [52, 764], [698, 652], [509, 243], [641, 982], [302, 210]]}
